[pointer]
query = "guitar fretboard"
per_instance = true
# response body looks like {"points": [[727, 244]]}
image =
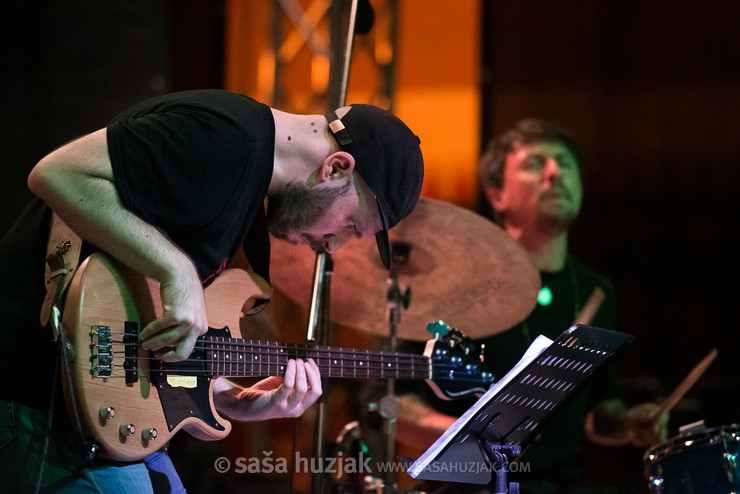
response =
{"points": [[233, 357]]}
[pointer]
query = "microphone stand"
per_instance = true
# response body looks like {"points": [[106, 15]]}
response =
{"points": [[319, 330]]}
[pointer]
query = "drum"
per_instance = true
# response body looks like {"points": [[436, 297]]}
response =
{"points": [[696, 462]]}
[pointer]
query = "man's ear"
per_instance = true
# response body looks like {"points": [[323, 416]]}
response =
{"points": [[497, 198], [336, 165]]}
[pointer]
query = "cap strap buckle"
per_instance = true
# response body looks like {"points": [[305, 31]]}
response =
{"points": [[337, 128]]}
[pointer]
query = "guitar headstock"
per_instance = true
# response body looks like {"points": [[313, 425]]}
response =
{"points": [[458, 369]]}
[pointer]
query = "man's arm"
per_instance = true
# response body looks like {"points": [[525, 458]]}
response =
{"points": [[76, 180], [610, 423]]}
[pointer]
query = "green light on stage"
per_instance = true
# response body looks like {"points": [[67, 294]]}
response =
{"points": [[545, 296]]}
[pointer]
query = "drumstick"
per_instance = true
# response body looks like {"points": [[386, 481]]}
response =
{"points": [[591, 306], [686, 384]]}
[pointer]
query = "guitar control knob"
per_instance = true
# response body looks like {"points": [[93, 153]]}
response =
{"points": [[107, 413], [149, 434], [127, 430]]}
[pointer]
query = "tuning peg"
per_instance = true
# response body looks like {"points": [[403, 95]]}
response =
{"points": [[438, 328], [467, 343]]}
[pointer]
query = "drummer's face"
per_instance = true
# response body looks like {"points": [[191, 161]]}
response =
{"points": [[542, 182]]}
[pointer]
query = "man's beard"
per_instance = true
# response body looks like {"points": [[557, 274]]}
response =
{"points": [[555, 223], [296, 207]]}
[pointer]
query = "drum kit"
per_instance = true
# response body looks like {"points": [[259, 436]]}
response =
{"points": [[452, 264], [447, 261]]}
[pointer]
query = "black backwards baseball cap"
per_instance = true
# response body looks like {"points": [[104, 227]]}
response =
{"points": [[387, 157]]}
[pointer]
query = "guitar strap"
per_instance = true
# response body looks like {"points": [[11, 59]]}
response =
{"points": [[62, 259]]}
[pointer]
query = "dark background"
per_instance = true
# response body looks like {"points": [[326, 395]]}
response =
{"points": [[70, 66], [651, 90]]}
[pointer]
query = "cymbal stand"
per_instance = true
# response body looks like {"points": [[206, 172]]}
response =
{"points": [[390, 403]]}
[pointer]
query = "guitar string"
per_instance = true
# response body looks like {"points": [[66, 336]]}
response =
{"points": [[211, 344], [381, 364], [306, 352], [414, 363], [422, 363], [378, 371], [195, 372], [408, 363], [289, 349]]}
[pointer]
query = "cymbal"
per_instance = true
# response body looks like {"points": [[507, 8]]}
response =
{"points": [[459, 267]]}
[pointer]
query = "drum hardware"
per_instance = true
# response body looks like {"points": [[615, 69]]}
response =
{"points": [[349, 444], [397, 300], [729, 465], [698, 460]]}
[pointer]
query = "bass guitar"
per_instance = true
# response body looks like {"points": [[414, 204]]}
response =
{"points": [[130, 404]]}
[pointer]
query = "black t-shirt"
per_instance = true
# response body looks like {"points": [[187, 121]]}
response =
{"points": [[554, 456], [197, 164]]}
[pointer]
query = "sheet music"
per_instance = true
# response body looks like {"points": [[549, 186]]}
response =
{"points": [[534, 350]]}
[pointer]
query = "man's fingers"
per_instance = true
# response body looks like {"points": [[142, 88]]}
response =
{"points": [[313, 375], [155, 327], [301, 385], [172, 337], [181, 352], [283, 391], [171, 342]]}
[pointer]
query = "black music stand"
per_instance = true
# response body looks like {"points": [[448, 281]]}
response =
{"points": [[507, 418]]}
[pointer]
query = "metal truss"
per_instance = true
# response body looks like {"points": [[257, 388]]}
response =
{"points": [[310, 58]]}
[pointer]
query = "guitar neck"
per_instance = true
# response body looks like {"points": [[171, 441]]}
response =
{"points": [[236, 357]]}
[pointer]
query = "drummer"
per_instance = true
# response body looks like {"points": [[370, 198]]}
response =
{"points": [[531, 178]]}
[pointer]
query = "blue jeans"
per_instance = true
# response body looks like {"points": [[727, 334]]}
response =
{"points": [[155, 474], [65, 469]]}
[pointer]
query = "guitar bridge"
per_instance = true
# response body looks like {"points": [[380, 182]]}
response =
{"points": [[101, 351]]}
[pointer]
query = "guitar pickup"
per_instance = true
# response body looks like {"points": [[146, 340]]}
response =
{"points": [[101, 351], [131, 344]]}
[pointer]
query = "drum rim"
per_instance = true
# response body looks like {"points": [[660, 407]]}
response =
{"points": [[677, 444]]}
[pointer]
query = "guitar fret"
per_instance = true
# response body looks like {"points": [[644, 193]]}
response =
{"points": [[271, 354], [280, 360], [231, 356], [240, 362]]}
